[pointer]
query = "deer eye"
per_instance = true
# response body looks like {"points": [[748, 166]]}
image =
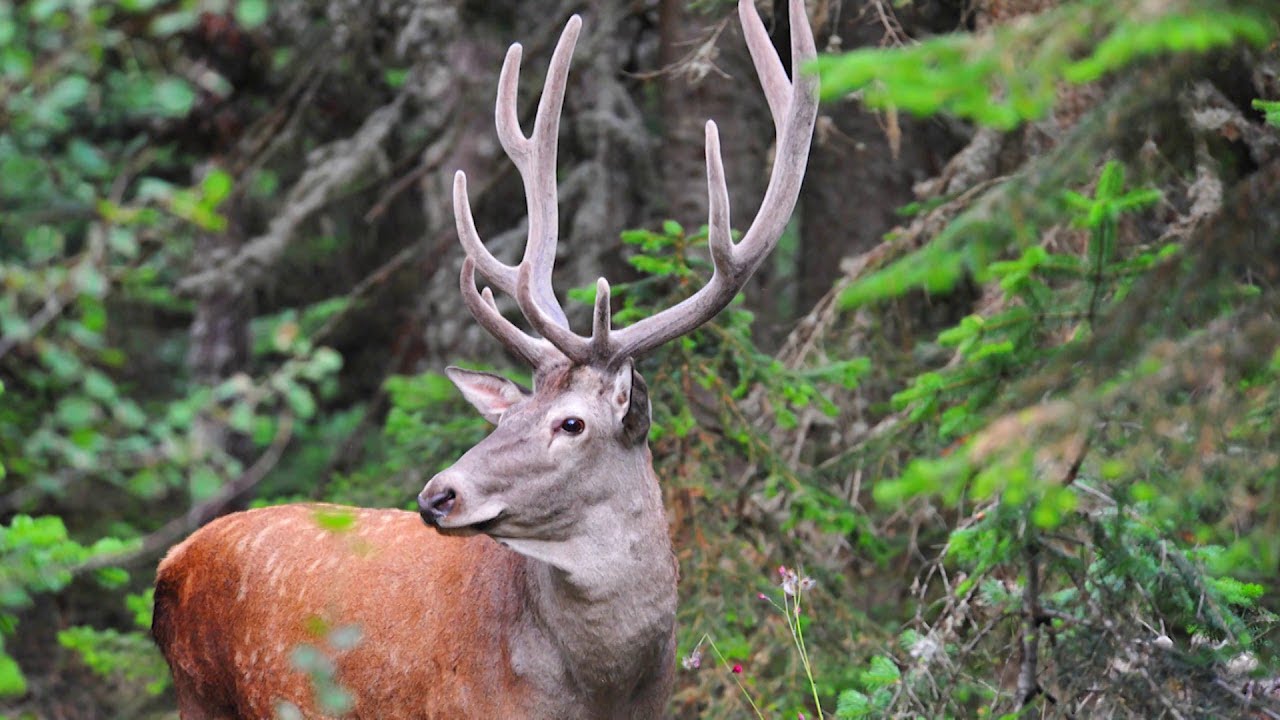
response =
{"points": [[573, 426]]}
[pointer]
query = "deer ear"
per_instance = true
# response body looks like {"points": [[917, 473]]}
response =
{"points": [[630, 398], [491, 394]]}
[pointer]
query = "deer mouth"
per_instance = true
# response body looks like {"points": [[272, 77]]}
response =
{"points": [[482, 527], [485, 526]]}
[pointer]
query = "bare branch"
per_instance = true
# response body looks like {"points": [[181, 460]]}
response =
{"points": [[340, 163]]}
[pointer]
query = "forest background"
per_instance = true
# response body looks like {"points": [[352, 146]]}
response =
{"points": [[993, 433]]}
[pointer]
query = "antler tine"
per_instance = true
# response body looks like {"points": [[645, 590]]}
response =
{"points": [[573, 346], [602, 321], [493, 270], [794, 105], [598, 349], [773, 77], [794, 136], [719, 230], [532, 351], [535, 158]]}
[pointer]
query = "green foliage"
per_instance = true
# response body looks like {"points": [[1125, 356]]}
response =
{"points": [[129, 656], [722, 361], [39, 557], [718, 400], [252, 13], [1050, 303], [1004, 77], [1074, 444], [1271, 108], [94, 233], [428, 426], [1114, 527], [875, 694], [317, 661], [1010, 74]]}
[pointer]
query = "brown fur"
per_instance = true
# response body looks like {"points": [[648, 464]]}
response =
{"points": [[251, 587]]}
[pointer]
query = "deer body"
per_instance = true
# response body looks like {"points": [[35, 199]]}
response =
{"points": [[452, 624], [474, 632], [537, 580], [253, 616]]}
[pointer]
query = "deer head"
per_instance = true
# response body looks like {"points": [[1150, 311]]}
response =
{"points": [[568, 443], [576, 444]]}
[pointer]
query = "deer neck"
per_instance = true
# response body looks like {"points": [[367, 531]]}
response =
{"points": [[602, 600]]}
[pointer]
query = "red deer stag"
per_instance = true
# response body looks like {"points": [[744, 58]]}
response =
{"points": [[575, 616]]}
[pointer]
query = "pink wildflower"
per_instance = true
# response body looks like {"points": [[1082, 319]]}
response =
{"points": [[737, 669], [792, 583], [693, 660], [789, 581]]}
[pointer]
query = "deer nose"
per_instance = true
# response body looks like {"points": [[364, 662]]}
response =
{"points": [[434, 507]]}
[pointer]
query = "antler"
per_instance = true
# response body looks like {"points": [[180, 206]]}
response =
{"points": [[793, 104], [535, 158]]}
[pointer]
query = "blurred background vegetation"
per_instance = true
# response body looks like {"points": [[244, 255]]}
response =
{"points": [[1003, 405]]}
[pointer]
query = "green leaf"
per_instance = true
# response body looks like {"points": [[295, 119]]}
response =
{"points": [[252, 13], [129, 414], [151, 188], [1137, 199], [882, 673], [853, 705], [16, 63], [325, 361], [264, 430], [173, 97], [99, 386], [1111, 181], [215, 187], [64, 365], [1235, 592], [395, 77], [76, 411], [112, 578], [42, 243], [12, 681], [300, 400], [68, 92], [90, 280], [174, 22], [659, 267], [87, 158], [205, 483], [139, 6], [1271, 108], [241, 417], [335, 520]]}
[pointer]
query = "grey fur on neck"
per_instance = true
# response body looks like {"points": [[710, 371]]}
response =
{"points": [[596, 624]]}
